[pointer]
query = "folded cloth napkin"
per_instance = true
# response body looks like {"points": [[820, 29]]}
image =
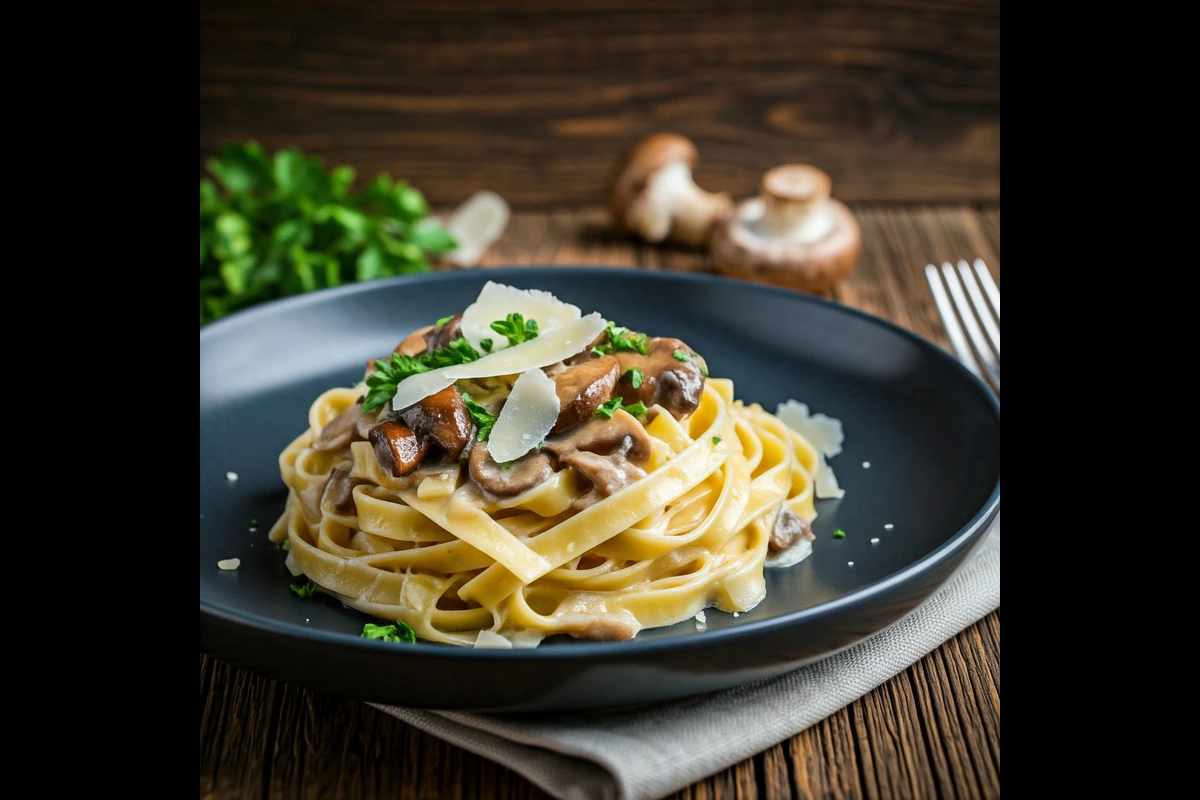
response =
{"points": [[652, 752]]}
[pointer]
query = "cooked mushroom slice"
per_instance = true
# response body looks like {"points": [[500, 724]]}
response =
{"points": [[415, 343], [441, 336], [398, 449], [506, 480], [443, 418], [789, 528], [672, 376], [653, 194], [341, 430], [582, 389], [794, 235], [611, 453], [338, 495]]}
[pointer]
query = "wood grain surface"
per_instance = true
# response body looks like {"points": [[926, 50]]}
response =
{"points": [[535, 99], [931, 731]]}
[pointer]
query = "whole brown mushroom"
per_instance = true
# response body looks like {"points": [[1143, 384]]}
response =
{"points": [[654, 196], [793, 235]]}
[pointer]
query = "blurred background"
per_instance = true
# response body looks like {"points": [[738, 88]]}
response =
{"points": [[897, 100]]}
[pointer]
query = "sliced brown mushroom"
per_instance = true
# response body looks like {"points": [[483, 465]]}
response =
{"points": [[512, 478], [338, 495], [341, 430], [789, 528], [672, 376], [654, 196], [397, 447], [582, 389], [415, 343], [611, 453], [442, 418], [793, 235], [442, 335]]}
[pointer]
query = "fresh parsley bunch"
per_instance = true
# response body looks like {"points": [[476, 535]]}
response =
{"points": [[272, 226]]}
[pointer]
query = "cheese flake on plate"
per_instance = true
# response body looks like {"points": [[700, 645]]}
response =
{"points": [[497, 300], [490, 640], [527, 417], [824, 433]]}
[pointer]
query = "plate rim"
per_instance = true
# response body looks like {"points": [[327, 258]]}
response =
{"points": [[964, 537]]}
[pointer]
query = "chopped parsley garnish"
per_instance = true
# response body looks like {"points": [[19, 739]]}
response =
{"points": [[486, 345], [635, 377], [506, 466], [839, 534], [681, 355], [704, 371], [443, 321], [254, 522], [389, 372], [620, 339], [716, 440], [306, 591], [480, 416], [613, 406], [516, 328], [287, 544], [390, 633]]}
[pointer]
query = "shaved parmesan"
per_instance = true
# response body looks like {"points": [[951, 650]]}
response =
{"points": [[498, 300], [491, 640], [527, 417], [822, 432], [826, 483], [791, 556], [546, 349]]}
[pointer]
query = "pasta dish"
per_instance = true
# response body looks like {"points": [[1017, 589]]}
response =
{"points": [[520, 470]]}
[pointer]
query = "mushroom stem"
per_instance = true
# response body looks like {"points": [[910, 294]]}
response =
{"points": [[673, 205], [795, 203]]}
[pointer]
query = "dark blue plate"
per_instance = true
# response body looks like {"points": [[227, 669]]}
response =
{"points": [[930, 430]]}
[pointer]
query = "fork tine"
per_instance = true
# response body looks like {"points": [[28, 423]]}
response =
{"points": [[949, 321], [989, 285], [964, 311], [981, 307]]}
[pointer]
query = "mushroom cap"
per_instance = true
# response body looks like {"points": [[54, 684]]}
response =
{"points": [[813, 267], [645, 158]]}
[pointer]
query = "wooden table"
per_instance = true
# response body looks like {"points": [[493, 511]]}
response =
{"points": [[931, 731]]}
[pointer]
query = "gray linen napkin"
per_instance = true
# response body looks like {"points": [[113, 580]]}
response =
{"points": [[652, 752]]}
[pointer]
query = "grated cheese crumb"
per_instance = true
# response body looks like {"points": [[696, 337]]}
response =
{"points": [[850, 563], [701, 618], [888, 527], [231, 476], [875, 541], [230, 563], [736, 614], [866, 465]]}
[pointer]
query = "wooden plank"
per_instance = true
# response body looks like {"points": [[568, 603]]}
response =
{"points": [[899, 100], [932, 730]]}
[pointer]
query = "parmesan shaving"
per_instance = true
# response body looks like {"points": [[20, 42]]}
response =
{"points": [[527, 417], [546, 349], [230, 563], [826, 483], [791, 556], [489, 640], [824, 433], [498, 300]]}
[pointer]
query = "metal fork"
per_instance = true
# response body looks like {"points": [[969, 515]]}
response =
{"points": [[987, 348]]}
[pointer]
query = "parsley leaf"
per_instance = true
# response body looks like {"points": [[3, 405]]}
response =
{"points": [[283, 223], [839, 534], [516, 328], [613, 406], [390, 633], [480, 416], [486, 345], [287, 544], [704, 371], [716, 440], [681, 355], [621, 339], [635, 377], [389, 372], [306, 591], [443, 321]]}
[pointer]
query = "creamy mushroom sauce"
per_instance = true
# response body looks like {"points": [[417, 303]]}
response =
{"points": [[438, 435]]}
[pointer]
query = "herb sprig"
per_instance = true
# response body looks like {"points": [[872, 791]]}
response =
{"points": [[607, 410], [306, 591], [388, 373], [516, 328], [482, 418], [399, 632], [280, 224], [620, 339]]}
